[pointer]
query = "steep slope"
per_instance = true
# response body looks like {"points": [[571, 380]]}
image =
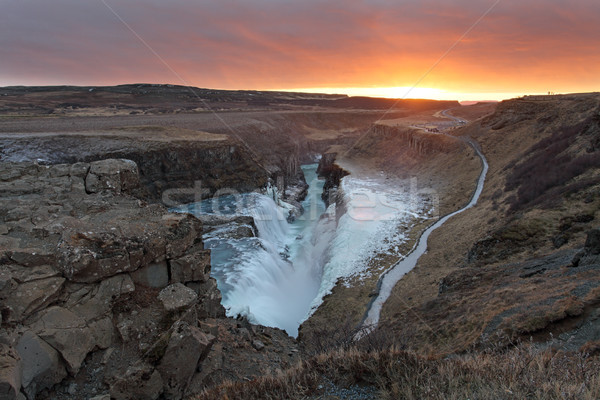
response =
{"points": [[507, 267]]}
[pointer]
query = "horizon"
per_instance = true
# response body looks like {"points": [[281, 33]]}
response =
{"points": [[465, 51], [382, 92]]}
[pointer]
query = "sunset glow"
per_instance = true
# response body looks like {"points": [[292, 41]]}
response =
{"points": [[377, 48], [407, 92]]}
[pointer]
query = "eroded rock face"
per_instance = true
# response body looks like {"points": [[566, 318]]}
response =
{"points": [[187, 346], [177, 297], [194, 267], [66, 332], [141, 382], [10, 372], [97, 284], [42, 365], [592, 243], [117, 176]]}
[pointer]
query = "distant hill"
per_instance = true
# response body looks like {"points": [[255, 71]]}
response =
{"points": [[159, 98]]}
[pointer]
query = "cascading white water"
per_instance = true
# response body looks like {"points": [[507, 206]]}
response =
{"points": [[271, 279], [280, 277]]}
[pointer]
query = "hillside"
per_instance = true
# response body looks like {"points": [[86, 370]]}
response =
{"points": [[134, 99], [516, 246]]}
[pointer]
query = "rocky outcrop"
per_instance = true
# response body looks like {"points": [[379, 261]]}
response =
{"points": [[99, 285], [333, 175], [418, 142], [189, 171], [10, 372], [170, 169], [138, 382], [42, 365], [117, 176], [187, 346]]}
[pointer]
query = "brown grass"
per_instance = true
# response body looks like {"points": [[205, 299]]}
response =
{"points": [[518, 373]]}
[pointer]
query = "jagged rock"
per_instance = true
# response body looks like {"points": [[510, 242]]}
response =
{"points": [[27, 274], [99, 301], [154, 275], [32, 257], [592, 243], [42, 366], [123, 240], [101, 397], [209, 305], [118, 176], [106, 356], [126, 329], [91, 256], [102, 332], [22, 300], [187, 346], [228, 226], [10, 372], [140, 382], [184, 231], [177, 297], [66, 332], [193, 267], [258, 345], [210, 326]]}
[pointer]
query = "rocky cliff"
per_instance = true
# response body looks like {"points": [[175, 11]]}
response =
{"points": [[102, 294], [333, 175], [389, 142], [184, 165]]}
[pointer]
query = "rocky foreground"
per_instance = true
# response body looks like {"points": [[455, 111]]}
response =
{"points": [[105, 296]]}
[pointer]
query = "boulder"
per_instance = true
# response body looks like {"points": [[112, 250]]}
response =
{"points": [[210, 299], [155, 275], [32, 257], [258, 345], [194, 267], [177, 297], [187, 346], [42, 366], [26, 298], [183, 231], [102, 332], [139, 382], [10, 373], [592, 243], [68, 333], [92, 256], [99, 302], [590, 255], [117, 176]]}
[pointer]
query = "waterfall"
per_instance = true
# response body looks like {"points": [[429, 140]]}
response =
{"points": [[280, 277], [273, 278]]}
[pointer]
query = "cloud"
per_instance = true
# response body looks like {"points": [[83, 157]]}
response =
{"points": [[262, 44]]}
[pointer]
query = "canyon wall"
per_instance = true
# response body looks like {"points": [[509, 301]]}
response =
{"points": [[103, 294], [182, 169]]}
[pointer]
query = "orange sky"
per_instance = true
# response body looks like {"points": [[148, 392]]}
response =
{"points": [[357, 47]]}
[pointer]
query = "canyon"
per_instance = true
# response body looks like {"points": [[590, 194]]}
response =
{"points": [[116, 282]]}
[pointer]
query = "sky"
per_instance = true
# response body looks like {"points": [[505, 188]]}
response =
{"points": [[460, 49]]}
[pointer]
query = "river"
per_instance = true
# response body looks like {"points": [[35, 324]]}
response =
{"points": [[397, 271]]}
